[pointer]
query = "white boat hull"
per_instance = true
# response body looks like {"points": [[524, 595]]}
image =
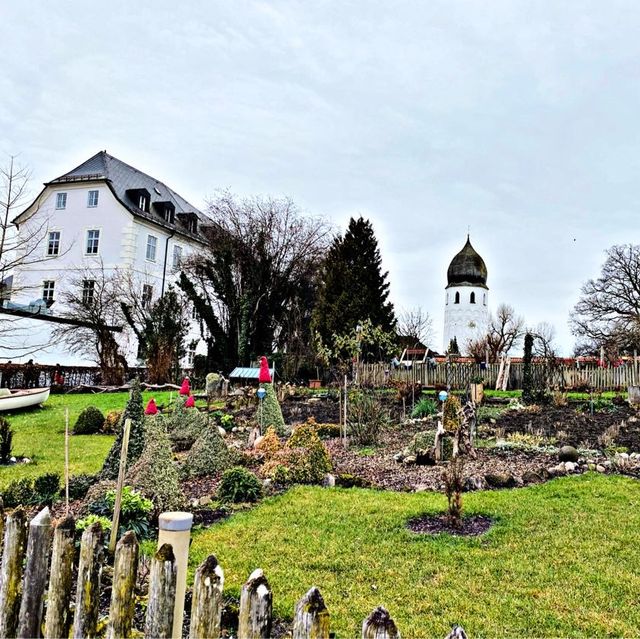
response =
{"points": [[24, 398]]}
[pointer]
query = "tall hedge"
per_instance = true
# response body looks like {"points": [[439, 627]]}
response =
{"points": [[528, 391], [135, 412], [271, 411]]}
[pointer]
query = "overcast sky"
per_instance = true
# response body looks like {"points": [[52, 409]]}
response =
{"points": [[518, 119]]}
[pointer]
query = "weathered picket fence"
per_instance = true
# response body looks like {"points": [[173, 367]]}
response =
{"points": [[33, 552], [459, 375]]}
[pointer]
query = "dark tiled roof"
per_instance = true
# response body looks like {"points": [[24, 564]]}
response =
{"points": [[467, 267], [122, 178]]}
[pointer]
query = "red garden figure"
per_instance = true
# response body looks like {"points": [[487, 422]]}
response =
{"points": [[151, 408], [190, 403], [265, 376], [185, 389]]}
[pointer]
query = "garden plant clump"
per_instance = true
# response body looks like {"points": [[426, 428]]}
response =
{"points": [[184, 426], [89, 422]]}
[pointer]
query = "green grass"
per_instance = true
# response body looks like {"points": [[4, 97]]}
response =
{"points": [[39, 435], [560, 560]]}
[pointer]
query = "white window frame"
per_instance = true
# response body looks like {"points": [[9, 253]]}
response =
{"points": [[86, 298], [150, 244], [48, 292], [61, 196], [142, 202], [177, 252], [86, 242], [90, 199], [50, 241]]}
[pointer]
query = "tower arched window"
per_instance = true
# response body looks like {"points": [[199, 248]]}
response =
{"points": [[484, 299], [472, 297], [457, 298], [447, 298]]}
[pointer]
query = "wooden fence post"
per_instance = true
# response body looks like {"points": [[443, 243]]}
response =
{"points": [[58, 617], [162, 594], [125, 570], [311, 617], [35, 575], [115, 524], [379, 625], [256, 599], [206, 607], [15, 536], [85, 619]]}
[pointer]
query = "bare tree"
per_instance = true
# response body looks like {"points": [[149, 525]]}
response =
{"points": [[607, 314], [416, 324], [256, 276], [93, 302], [544, 335], [505, 332]]}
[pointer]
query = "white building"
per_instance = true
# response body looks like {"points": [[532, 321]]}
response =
{"points": [[466, 310], [104, 214]]}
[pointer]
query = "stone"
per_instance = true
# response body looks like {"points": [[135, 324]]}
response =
{"points": [[591, 467], [499, 480], [329, 481], [531, 477], [624, 455], [398, 457], [475, 482], [409, 459], [235, 429], [570, 466], [204, 501], [607, 464], [258, 441], [568, 454], [600, 468], [421, 488], [222, 431]]}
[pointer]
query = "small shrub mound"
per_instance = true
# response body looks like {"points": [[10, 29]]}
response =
{"points": [[29, 492], [89, 421], [270, 413], [238, 485], [79, 485], [112, 422], [303, 460], [184, 426], [208, 456], [155, 474], [424, 408], [46, 488], [270, 444], [85, 522], [6, 441]]}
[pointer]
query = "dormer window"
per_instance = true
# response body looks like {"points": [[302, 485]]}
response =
{"points": [[166, 210], [190, 221], [140, 198]]}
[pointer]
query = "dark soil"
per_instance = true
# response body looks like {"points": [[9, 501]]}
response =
{"points": [[381, 470], [471, 526], [575, 427]]}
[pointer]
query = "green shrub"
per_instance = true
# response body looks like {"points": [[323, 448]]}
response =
{"points": [[184, 426], [134, 511], [112, 422], [424, 408], [46, 488], [366, 418], [6, 440], [89, 422], [271, 414], [238, 485], [208, 456], [328, 431], [135, 412], [18, 492], [79, 485], [347, 480], [226, 420], [450, 414], [154, 473], [105, 522]]}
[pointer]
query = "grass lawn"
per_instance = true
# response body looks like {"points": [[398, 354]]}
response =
{"points": [[39, 434], [561, 559]]}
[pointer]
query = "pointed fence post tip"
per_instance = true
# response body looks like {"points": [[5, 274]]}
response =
{"points": [[379, 625]]}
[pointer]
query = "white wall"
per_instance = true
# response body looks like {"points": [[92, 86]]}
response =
{"points": [[465, 321]]}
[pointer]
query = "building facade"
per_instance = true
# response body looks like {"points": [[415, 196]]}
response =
{"points": [[103, 217], [466, 310]]}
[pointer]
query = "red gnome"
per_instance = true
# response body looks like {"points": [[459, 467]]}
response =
{"points": [[185, 389], [190, 403], [264, 376], [151, 408]]}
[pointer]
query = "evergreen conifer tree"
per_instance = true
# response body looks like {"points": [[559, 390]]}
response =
{"points": [[135, 412], [353, 287], [527, 371]]}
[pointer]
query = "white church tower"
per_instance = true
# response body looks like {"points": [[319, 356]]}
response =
{"points": [[466, 310]]}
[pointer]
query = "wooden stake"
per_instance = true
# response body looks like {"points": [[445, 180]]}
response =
{"points": [[121, 472], [66, 459], [345, 411]]}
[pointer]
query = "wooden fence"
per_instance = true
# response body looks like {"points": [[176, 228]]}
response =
{"points": [[458, 375], [34, 551]]}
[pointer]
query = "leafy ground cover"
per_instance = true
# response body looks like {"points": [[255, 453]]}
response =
{"points": [[39, 435], [559, 560]]}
